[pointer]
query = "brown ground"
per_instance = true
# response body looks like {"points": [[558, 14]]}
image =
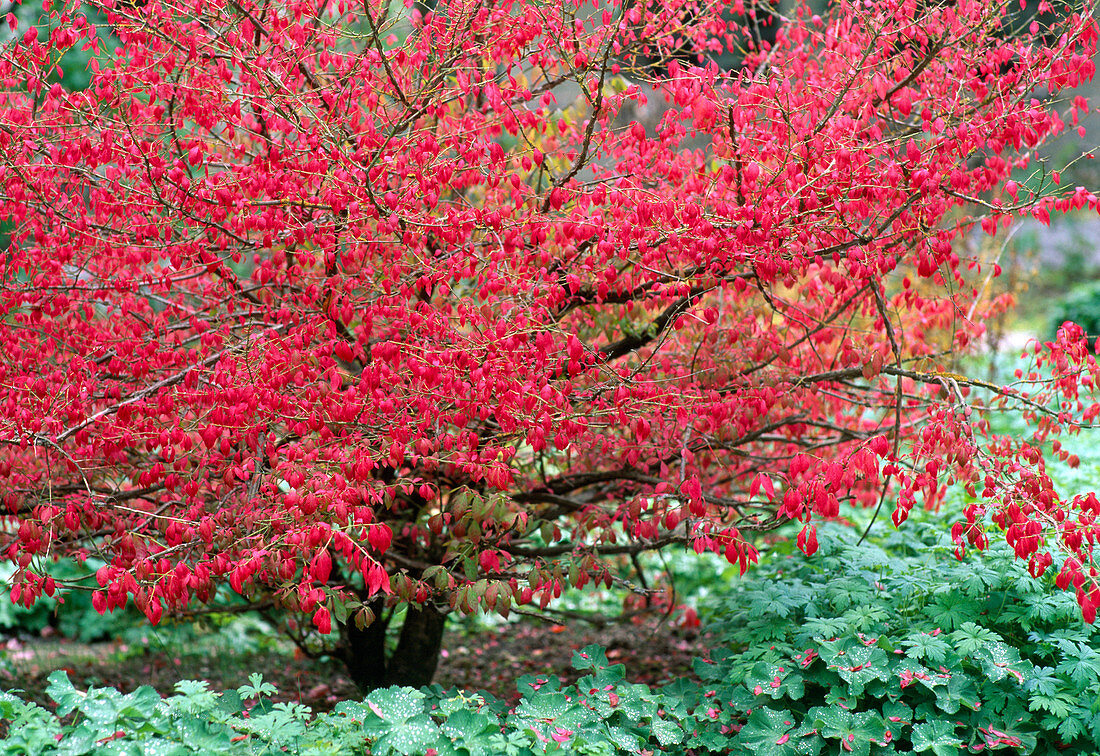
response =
{"points": [[653, 652]]}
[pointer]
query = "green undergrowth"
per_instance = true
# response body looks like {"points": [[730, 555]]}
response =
{"points": [[602, 714], [887, 647], [899, 647]]}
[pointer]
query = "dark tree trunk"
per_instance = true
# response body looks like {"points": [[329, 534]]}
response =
{"points": [[417, 654], [414, 660], [364, 651]]}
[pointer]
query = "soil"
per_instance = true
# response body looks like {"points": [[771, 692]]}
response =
{"points": [[653, 651]]}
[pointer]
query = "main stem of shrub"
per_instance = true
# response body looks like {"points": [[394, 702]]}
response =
{"points": [[412, 663]]}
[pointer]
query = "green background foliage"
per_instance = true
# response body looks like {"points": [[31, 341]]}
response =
{"points": [[894, 646], [1082, 306], [901, 637]]}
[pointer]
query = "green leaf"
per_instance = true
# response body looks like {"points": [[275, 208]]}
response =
{"points": [[1070, 728], [856, 663], [637, 702], [777, 605], [398, 722], [970, 638], [140, 704], [666, 732], [548, 706], [825, 627], [896, 714], [1000, 661], [396, 705], [63, 693], [627, 741], [770, 732], [78, 741], [1059, 705], [864, 617], [1043, 681], [460, 702], [353, 710], [414, 736], [256, 687], [776, 681], [230, 703], [926, 647], [590, 657], [954, 691], [31, 728], [1043, 608], [466, 725], [202, 735], [535, 685], [99, 706], [937, 736], [191, 688], [856, 732], [1006, 735], [1079, 662], [952, 610]]}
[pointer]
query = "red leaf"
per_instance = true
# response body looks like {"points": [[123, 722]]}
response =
{"points": [[807, 540], [321, 567], [379, 537], [762, 481]]}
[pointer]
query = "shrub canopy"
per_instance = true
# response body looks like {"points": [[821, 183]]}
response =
{"points": [[350, 306]]}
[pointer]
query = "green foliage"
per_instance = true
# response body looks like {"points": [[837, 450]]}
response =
{"points": [[899, 647], [887, 647], [72, 68], [602, 714], [73, 616], [1082, 306]]}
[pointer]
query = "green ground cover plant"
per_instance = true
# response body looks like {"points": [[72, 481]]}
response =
{"points": [[601, 714], [900, 647], [891, 646], [370, 314]]}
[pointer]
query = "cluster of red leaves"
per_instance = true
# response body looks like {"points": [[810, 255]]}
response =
{"points": [[317, 302]]}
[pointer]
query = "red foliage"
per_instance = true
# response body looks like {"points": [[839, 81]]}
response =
{"points": [[326, 306]]}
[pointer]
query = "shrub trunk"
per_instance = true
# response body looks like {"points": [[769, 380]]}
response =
{"points": [[413, 661]]}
